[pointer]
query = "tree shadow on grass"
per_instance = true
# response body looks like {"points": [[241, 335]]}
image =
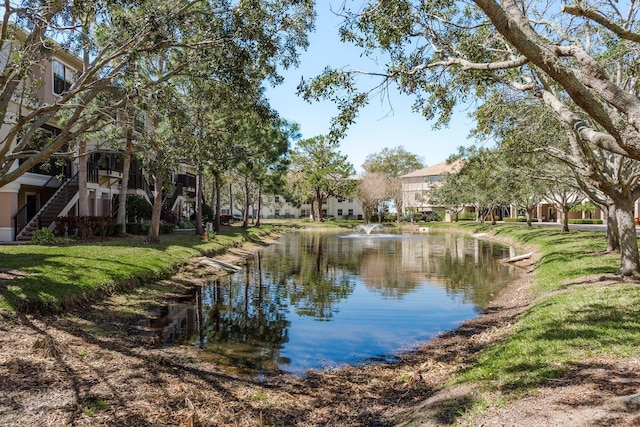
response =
{"points": [[604, 320]]}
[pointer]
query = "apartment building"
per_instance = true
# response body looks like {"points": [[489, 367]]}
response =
{"points": [[276, 206], [50, 189], [418, 185]]}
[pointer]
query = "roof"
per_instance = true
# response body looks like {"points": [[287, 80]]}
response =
{"points": [[436, 170]]}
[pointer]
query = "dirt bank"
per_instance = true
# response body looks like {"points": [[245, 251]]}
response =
{"points": [[101, 366]]}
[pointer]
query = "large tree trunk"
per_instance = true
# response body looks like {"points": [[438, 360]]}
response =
{"points": [[613, 236], [565, 219], [629, 262], [199, 197], [121, 219], [319, 203], [154, 229], [83, 196], [528, 213]]}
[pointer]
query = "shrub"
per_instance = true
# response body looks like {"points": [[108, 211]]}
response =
{"points": [[138, 207], [100, 225], [43, 237], [207, 213], [66, 225], [585, 221], [85, 228], [389, 217], [167, 227], [114, 229], [386, 217], [134, 228], [467, 216], [515, 219], [186, 224], [169, 216]]}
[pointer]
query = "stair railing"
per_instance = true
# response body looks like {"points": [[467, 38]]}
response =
{"points": [[21, 218], [19, 226]]}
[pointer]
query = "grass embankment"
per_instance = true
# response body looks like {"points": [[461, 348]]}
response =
{"points": [[51, 278], [580, 310]]}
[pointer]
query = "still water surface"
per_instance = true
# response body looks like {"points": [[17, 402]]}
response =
{"points": [[315, 301]]}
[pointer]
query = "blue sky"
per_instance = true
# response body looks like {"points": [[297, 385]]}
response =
{"points": [[381, 124]]}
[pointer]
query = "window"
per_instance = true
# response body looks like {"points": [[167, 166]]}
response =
{"points": [[277, 213], [62, 77], [139, 119], [277, 199], [350, 212], [350, 200], [340, 200], [417, 196], [339, 212]]}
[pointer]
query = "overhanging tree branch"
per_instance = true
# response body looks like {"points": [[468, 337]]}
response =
{"points": [[594, 15]]}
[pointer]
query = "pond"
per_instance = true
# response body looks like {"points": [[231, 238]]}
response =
{"points": [[320, 300]]}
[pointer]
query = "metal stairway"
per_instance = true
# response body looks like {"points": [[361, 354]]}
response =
{"points": [[49, 211]]}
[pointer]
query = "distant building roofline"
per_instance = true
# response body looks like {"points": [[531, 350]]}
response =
{"points": [[436, 170]]}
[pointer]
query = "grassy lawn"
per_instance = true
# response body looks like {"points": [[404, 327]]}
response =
{"points": [[576, 314], [51, 276]]}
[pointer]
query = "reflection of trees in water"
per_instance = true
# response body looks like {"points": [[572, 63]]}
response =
{"points": [[382, 270], [313, 273], [316, 270], [469, 268], [463, 266], [245, 314], [243, 324]]}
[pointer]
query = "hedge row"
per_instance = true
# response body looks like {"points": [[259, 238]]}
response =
{"points": [[585, 221], [83, 227]]}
